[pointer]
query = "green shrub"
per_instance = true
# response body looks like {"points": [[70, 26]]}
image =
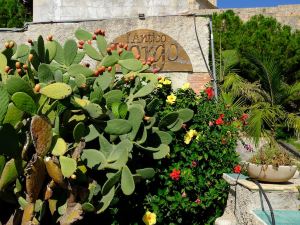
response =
{"points": [[14, 13], [263, 36], [188, 187], [198, 194]]}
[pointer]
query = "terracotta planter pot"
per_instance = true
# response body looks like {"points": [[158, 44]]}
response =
{"points": [[268, 173]]}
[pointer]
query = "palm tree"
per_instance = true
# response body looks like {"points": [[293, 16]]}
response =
{"points": [[270, 101]]}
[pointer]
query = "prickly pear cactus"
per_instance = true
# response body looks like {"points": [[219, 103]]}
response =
{"points": [[66, 128]]}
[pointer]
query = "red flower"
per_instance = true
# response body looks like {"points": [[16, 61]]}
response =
{"points": [[219, 121], [237, 169], [222, 116], [224, 142], [194, 164], [244, 116], [175, 175], [198, 201], [210, 93]]}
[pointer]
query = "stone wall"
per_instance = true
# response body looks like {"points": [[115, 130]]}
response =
{"points": [[179, 28], [58, 10], [285, 14]]}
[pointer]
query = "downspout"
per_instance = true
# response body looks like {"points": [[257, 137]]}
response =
{"points": [[213, 59]]}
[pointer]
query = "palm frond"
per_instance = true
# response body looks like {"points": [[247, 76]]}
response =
{"points": [[234, 102], [262, 117], [270, 75], [240, 87], [225, 63], [293, 121], [293, 92]]}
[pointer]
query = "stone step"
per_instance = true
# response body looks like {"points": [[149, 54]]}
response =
{"points": [[282, 217]]}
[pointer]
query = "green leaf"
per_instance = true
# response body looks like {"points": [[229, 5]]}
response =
{"points": [[79, 57], [13, 168], [152, 107], [103, 81], [9, 141], [92, 157], [22, 202], [17, 84], [111, 181], [24, 102], [79, 69], [94, 110], [105, 201], [35, 60], [102, 45], [185, 114], [57, 91], [123, 109], [136, 115], [79, 132], [68, 166], [41, 48], [127, 182], [109, 60], [146, 173], [96, 95], [70, 52], [118, 150], [105, 146], [163, 152], [4, 101], [144, 91], [2, 163], [80, 80], [177, 125], [113, 96], [51, 47], [168, 120], [118, 127], [92, 52], [92, 133], [88, 207], [22, 50], [58, 76], [131, 64], [84, 35], [13, 115], [60, 147], [115, 109], [59, 56], [164, 137], [127, 55], [3, 62], [45, 74]]}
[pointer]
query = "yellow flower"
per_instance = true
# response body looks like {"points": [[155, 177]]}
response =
{"points": [[167, 82], [193, 133], [171, 99], [189, 136], [149, 218], [159, 86], [186, 86], [162, 80]]}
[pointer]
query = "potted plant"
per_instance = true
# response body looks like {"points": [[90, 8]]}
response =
{"points": [[271, 164]]}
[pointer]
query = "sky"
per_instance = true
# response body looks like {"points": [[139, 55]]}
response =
{"points": [[254, 3]]}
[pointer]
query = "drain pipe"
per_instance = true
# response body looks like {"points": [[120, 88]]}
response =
{"points": [[213, 59]]}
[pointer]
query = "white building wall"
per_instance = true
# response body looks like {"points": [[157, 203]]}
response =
{"points": [[59, 10]]}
